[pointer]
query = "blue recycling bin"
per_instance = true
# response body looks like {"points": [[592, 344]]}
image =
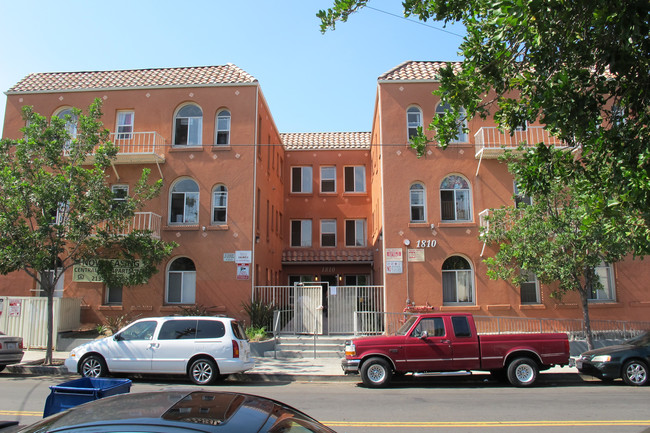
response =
{"points": [[79, 391]]}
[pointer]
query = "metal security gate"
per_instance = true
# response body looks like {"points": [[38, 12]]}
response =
{"points": [[308, 309], [321, 308]]}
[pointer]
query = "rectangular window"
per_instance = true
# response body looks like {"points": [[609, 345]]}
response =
{"points": [[606, 292], [120, 195], [521, 198], [355, 179], [301, 179], [328, 179], [124, 127], [328, 233], [301, 233], [529, 288], [355, 233], [114, 295]]}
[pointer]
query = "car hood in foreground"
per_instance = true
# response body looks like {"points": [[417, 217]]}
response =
{"points": [[198, 411]]}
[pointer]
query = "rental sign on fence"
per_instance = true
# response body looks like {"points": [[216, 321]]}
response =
{"points": [[86, 271]]}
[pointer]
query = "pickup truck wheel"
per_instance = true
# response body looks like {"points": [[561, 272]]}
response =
{"points": [[522, 372], [376, 373], [635, 373]]}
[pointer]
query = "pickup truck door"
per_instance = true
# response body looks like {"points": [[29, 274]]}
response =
{"points": [[465, 346], [428, 347]]}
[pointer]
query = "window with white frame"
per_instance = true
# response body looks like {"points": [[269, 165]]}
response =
{"points": [[124, 126], [457, 281], [219, 204], [188, 126], [120, 195], [223, 128], [328, 233], [48, 276], [520, 198], [301, 179], [462, 137], [529, 288], [70, 126], [413, 121], [455, 199], [184, 202], [328, 179], [606, 292], [355, 233], [355, 178], [417, 202], [181, 281], [58, 216], [301, 233]]}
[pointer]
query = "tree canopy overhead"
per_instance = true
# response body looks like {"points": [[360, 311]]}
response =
{"points": [[58, 208], [580, 67]]}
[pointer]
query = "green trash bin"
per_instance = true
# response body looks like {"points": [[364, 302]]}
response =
{"points": [[79, 391]]}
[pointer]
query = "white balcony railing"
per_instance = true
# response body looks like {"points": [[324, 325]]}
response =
{"points": [[139, 143], [489, 139], [141, 221]]}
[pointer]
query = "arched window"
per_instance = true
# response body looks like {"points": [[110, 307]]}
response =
{"points": [[413, 121], [219, 204], [455, 199], [188, 126], [181, 281], [223, 128], [184, 202], [457, 281], [417, 201], [70, 126], [442, 109]]}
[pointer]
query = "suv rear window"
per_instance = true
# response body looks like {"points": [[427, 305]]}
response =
{"points": [[210, 329], [238, 331]]}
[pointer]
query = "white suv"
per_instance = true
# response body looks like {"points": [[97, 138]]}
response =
{"points": [[204, 348]]}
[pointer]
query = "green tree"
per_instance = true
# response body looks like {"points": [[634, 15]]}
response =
{"points": [[58, 208], [557, 237], [579, 67]]}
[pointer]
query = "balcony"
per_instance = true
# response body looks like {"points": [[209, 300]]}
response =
{"points": [[327, 256], [139, 147], [141, 221], [491, 142]]}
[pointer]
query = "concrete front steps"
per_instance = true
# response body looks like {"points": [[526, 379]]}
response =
{"points": [[303, 346]]}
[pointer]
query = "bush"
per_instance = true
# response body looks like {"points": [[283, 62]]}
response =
{"points": [[256, 334], [261, 314], [115, 323]]}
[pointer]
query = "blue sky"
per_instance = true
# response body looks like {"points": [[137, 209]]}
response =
{"points": [[312, 82]]}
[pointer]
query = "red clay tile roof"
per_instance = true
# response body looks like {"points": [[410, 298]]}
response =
{"points": [[303, 256], [325, 140], [411, 70], [134, 78]]}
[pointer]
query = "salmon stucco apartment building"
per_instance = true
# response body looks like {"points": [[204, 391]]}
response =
{"points": [[356, 217]]}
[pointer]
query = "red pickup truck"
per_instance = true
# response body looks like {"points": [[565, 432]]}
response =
{"points": [[448, 342]]}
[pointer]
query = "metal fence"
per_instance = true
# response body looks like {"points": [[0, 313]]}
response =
{"points": [[320, 308], [26, 317]]}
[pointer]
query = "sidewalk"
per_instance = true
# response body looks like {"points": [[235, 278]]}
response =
{"points": [[270, 369]]}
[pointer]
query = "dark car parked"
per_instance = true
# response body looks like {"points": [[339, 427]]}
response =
{"points": [[628, 361], [180, 411]]}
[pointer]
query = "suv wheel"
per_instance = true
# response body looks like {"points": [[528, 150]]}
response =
{"points": [[203, 371]]}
